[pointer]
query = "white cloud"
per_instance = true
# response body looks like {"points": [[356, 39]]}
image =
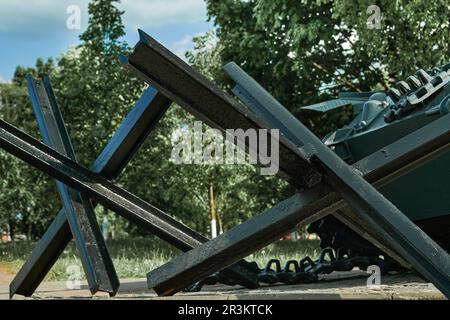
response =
{"points": [[43, 17], [140, 13], [33, 18], [183, 45]]}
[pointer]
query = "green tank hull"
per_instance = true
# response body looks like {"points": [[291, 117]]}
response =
{"points": [[383, 118]]}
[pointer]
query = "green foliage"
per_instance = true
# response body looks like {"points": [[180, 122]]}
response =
{"points": [[207, 56], [41, 69], [94, 92], [413, 34], [133, 258], [182, 190], [24, 191], [307, 51], [303, 52], [279, 44]]}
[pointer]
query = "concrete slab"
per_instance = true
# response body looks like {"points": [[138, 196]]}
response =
{"points": [[336, 286]]}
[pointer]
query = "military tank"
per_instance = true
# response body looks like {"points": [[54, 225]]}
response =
{"points": [[381, 118]]}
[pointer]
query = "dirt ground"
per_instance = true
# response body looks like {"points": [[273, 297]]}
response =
{"points": [[348, 285], [5, 276]]}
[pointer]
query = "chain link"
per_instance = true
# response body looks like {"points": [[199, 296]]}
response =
{"points": [[307, 270]]}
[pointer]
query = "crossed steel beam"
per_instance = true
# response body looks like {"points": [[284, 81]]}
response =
{"points": [[301, 160], [109, 164], [96, 261], [94, 255]]}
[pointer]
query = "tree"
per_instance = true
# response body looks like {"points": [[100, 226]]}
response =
{"points": [[41, 69], [413, 34], [277, 43], [302, 51], [27, 196], [307, 51], [240, 190], [94, 92]]}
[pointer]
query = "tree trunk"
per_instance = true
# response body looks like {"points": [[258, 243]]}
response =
{"points": [[212, 207], [30, 228], [11, 226]]}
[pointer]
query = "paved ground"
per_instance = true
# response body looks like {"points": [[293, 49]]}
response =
{"points": [[335, 286], [5, 278]]}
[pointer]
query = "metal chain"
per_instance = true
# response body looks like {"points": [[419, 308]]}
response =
{"points": [[306, 270]]}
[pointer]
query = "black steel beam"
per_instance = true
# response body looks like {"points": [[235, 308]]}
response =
{"points": [[178, 81], [112, 197], [136, 127], [349, 217], [109, 164], [300, 210], [98, 188], [196, 94], [96, 261]]}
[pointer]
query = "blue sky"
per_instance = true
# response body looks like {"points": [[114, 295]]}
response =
{"points": [[37, 28]]}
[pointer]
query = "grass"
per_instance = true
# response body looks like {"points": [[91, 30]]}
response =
{"points": [[133, 258]]}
